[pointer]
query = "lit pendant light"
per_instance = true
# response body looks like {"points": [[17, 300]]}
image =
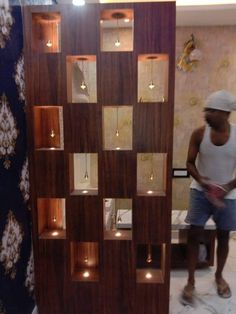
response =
{"points": [[151, 177], [86, 259], [86, 170], [83, 85], [49, 43], [118, 16], [151, 85], [149, 254], [52, 133], [117, 122]]}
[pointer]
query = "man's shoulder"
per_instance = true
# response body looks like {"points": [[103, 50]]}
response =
{"points": [[198, 133]]}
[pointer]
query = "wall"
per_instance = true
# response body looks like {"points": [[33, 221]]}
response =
{"points": [[215, 71]]}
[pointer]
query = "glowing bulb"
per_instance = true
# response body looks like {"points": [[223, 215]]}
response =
{"points": [[117, 148], [149, 192], [119, 219], [117, 43], [126, 20], [49, 43], [151, 85], [86, 274], [86, 259], [83, 86], [163, 99], [55, 233], [118, 234], [149, 258], [54, 219], [85, 191], [117, 132], [52, 133], [148, 275], [151, 176], [86, 175]]}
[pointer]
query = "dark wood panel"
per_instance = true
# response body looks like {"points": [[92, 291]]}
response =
{"points": [[46, 80], [50, 174], [50, 276], [154, 25], [149, 220], [83, 128], [88, 298], [119, 278], [147, 127], [152, 299], [84, 218], [80, 29], [117, 171], [117, 73]]}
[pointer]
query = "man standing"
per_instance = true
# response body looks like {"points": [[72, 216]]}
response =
{"points": [[212, 192]]}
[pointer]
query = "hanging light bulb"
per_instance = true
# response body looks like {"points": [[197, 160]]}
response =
{"points": [[151, 176], [117, 43], [86, 170], [54, 219], [52, 133], [49, 43], [83, 85], [86, 259], [151, 85], [118, 16], [149, 255], [119, 219], [117, 122]]}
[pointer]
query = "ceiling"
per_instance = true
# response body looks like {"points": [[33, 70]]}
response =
{"points": [[192, 14], [206, 15]]}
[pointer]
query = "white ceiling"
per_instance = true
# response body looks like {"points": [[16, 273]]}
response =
{"points": [[206, 15]]}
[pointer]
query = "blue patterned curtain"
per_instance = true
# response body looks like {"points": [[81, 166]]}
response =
{"points": [[16, 258]]}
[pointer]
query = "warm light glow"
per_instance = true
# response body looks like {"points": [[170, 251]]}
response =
{"points": [[54, 219], [86, 259], [126, 20], [83, 86], [151, 85], [49, 43], [151, 176], [55, 233], [85, 191], [149, 192], [118, 234], [117, 43], [52, 148], [163, 99], [117, 148], [86, 274], [86, 175], [148, 275], [52, 133], [78, 2], [117, 133]]}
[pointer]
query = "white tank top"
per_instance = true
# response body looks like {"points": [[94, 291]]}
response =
{"points": [[218, 163]]}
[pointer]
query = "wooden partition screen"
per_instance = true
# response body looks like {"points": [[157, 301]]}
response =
{"points": [[100, 94]]}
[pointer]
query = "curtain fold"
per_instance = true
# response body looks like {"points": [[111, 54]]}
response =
{"points": [[16, 258]]}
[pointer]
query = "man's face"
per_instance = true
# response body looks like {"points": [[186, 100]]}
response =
{"points": [[215, 117]]}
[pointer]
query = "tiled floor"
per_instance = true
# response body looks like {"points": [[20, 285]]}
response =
{"points": [[207, 299]]}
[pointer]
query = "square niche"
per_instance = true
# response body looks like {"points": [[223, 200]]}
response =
{"points": [[51, 218], [46, 32], [117, 214], [84, 261], [117, 127], [150, 261], [84, 173], [153, 77], [151, 174], [48, 128], [81, 79], [116, 29]]}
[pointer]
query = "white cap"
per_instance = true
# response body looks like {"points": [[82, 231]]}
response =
{"points": [[221, 100]]}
